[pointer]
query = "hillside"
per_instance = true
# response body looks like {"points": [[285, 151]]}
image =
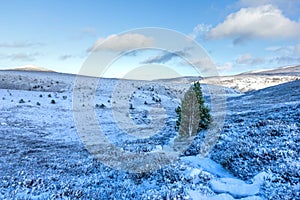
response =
{"points": [[285, 71], [256, 80], [31, 68], [43, 155]]}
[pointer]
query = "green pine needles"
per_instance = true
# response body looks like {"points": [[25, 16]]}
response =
{"points": [[193, 115]]}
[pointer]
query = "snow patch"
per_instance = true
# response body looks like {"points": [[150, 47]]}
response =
{"points": [[207, 164], [236, 187]]}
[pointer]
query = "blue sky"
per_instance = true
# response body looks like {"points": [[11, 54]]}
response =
{"points": [[238, 36]]}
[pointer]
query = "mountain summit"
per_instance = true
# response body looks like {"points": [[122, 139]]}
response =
{"points": [[31, 68]]}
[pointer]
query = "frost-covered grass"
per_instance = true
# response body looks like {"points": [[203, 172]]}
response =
{"points": [[250, 82], [264, 136], [42, 156]]}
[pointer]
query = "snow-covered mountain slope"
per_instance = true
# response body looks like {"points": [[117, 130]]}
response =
{"points": [[35, 80], [42, 156], [257, 79], [262, 133], [287, 70], [31, 68]]}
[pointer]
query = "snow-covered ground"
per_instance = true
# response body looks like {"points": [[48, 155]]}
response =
{"points": [[257, 80], [43, 157], [262, 133]]}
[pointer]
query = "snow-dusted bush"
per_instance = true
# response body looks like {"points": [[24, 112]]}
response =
{"points": [[100, 105]]}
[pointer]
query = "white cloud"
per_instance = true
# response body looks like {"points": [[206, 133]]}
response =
{"points": [[244, 58], [252, 3], [225, 67], [248, 59], [264, 22], [165, 56], [65, 56], [198, 30], [205, 62], [291, 7], [21, 56], [285, 55], [19, 44], [286, 60], [285, 50], [122, 42], [205, 65], [281, 49]]}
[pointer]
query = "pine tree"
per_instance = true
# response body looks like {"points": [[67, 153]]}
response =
{"points": [[178, 112], [205, 117], [192, 112]]}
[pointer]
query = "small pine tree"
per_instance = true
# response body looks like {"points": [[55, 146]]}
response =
{"points": [[178, 112], [192, 111], [205, 117]]}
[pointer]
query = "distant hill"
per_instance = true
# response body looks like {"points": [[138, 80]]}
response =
{"points": [[245, 82], [287, 70], [31, 68], [256, 80], [183, 79]]}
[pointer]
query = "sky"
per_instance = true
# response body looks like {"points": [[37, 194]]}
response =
{"points": [[237, 36]]}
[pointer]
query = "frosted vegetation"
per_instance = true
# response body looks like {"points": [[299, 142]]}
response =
{"points": [[42, 157]]}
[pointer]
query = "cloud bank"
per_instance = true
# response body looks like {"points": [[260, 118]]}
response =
{"points": [[19, 44], [165, 57], [65, 57], [262, 22], [291, 7], [248, 59], [122, 42], [23, 57]]}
